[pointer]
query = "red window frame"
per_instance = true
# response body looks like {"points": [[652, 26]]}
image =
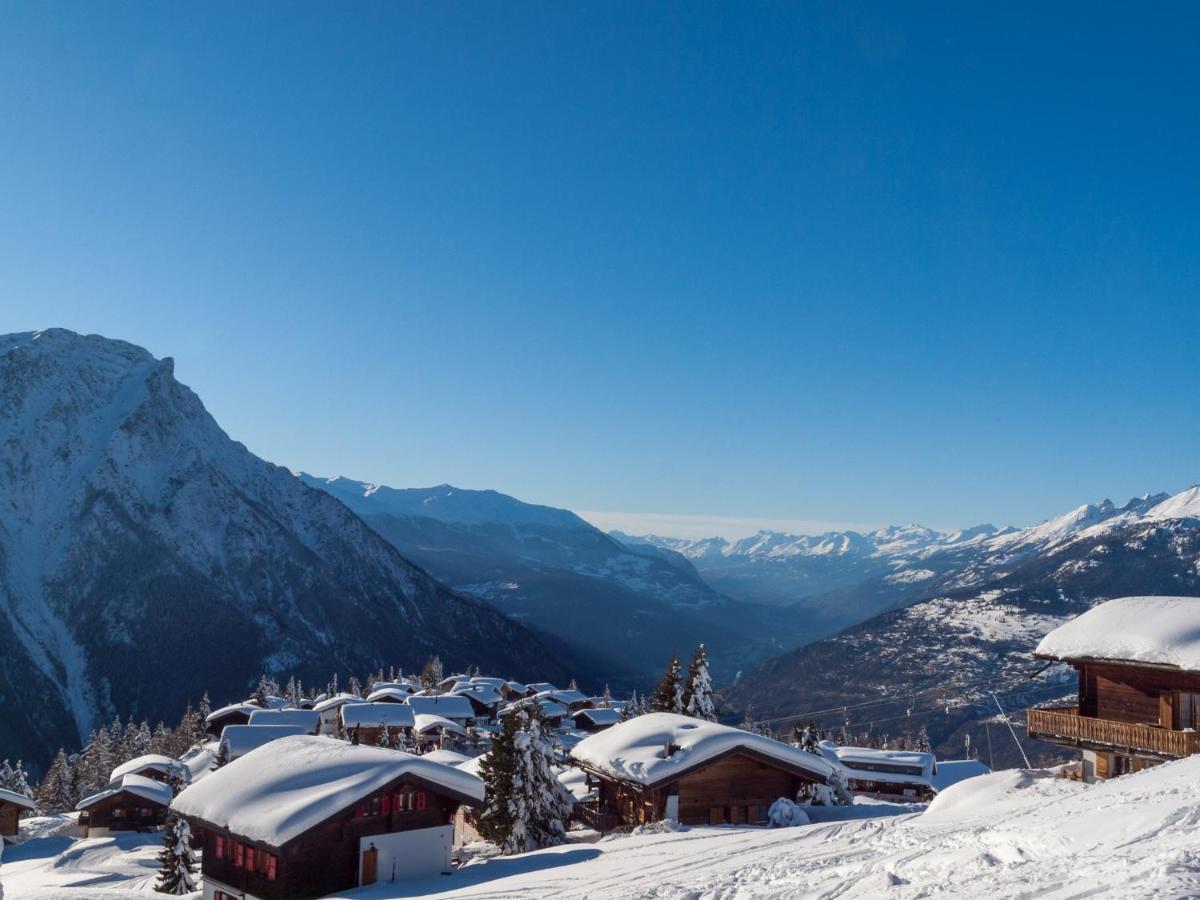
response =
{"points": [[271, 871], [219, 847], [239, 855], [420, 799]]}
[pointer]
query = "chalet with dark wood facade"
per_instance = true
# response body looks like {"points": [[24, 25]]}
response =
{"points": [[234, 714], [12, 807], [132, 803], [664, 766], [1137, 662], [899, 776], [307, 816]]}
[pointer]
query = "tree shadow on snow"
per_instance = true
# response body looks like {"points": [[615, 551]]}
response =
{"points": [[480, 873]]}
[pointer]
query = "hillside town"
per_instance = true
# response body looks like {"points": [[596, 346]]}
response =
{"points": [[391, 779]]}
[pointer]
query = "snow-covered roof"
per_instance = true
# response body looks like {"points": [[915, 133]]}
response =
{"points": [[371, 715], [308, 719], [636, 750], [549, 708], [239, 740], [451, 706], [246, 708], [487, 681], [337, 700], [952, 771], [446, 757], [18, 799], [426, 723], [409, 687], [281, 790], [538, 686], [599, 715], [398, 694], [565, 697], [157, 761], [481, 693], [516, 686], [1153, 630], [138, 785], [861, 758]]}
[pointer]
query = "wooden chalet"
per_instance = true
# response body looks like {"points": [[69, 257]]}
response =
{"points": [[309, 816], [665, 766], [365, 722], [307, 719], [1137, 662], [12, 807], [133, 803], [234, 714], [900, 776], [155, 766], [597, 719]]}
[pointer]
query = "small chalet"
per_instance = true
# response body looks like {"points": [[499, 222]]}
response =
{"points": [[307, 816], [330, 710], [367, 721], [593, 720], [133, 803], [665, 766], [436, 731], [152, 765], [12, 807], [902, 776], [234, 714], [553, 712], [390, 694], [572, 700], [238, 740], [449, 706], [1138, 702], [308, 719], [485, 701]]}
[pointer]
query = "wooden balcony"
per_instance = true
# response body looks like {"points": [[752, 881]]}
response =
{"points": [[587, 814], [1064, 725]]}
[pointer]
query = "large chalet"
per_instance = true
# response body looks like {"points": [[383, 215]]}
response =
{"points": [[664, 766], [1138, 665], [304, 816]]}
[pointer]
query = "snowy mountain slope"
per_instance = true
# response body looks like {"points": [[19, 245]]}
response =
{"points": [[961, 644], [618, 610], [138, 541]]}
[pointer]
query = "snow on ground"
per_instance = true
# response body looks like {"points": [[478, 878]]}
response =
{"points": [[53, 863], [1009, 834]]}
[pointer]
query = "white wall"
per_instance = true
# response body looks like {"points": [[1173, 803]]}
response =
{"points": [[410, 854], [211, 887]]}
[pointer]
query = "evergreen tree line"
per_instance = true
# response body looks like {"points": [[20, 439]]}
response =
{"points": [[71, 777], [685, 693]]}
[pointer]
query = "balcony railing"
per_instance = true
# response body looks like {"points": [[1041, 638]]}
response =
{"points": [[1063, 723], [588, 815]]}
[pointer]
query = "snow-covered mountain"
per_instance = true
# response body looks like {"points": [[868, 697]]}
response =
{"points": [[143, 552], [616, 609], [970, 629]]}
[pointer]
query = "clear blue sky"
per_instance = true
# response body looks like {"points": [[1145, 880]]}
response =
{"points": [[859, 264]]}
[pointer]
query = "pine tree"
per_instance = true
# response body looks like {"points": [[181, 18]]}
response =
{"points": [[606, 699], [748, 723], [496, 770], [923, 740], [808, 738], [548, 804], [699, 694], [177, 860], [292, 692], [205, 710], [353, 687], [56, 792], [385, 738], [15, 779], [262, 693], [432, 675], [222, 758], [573, 686], [668, 696]]}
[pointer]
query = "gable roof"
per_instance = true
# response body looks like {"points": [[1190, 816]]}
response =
{"points": [[245, 708], [241, 739], [599, 715], [17, 799], [451, 706], [1161, 631], [138, 785], [276, 793], [308, 719], [637, 750], [372, 715], [157, 761], [860, 759], [425, 723]]}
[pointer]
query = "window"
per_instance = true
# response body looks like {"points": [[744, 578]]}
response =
{"points": [[219, 848], [420, 799], [118, 812], [385, 804], [1189, 709], [1122, 765], [271, 868], [239, 855]]}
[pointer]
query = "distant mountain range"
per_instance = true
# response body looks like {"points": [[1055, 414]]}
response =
{"points": [[146, 557], [614, 611], [967, 629]]}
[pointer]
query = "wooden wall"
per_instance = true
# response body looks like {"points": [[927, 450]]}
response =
{"points": [[1137, 695], [10, 815], [729, 787], [138, 813]]}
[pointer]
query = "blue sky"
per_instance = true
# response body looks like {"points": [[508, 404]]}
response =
{"points": [[733, 262]]}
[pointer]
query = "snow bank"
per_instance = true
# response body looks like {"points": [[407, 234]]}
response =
{"points": [[279, 791], [988, 794], [637, 750], [1159, 630], [952, 771]]}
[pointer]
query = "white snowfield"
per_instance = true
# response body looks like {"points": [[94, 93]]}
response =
{"points": [[1007, 835], [1159, 630], [280, 790], [637, 750]]}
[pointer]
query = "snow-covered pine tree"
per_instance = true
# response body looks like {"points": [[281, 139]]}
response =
{"points": [[15, 779], [222, 757], [748, 723], [808, 738], [573, 686], [549, 803], [177, 860], [353, 687], [432, 675], [385, 737], [668, 696], [56, 793], [606, 699], [292, 692], [262, 693], [162, 740], [922, 744], [496, 770], [699, 692]]}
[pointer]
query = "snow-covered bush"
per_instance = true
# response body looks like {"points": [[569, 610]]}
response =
{"points": [[784, 814]]}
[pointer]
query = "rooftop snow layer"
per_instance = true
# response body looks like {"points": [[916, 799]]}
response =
{"points": [[241, 739], [952, 771], [451, 706], [1159, 630], [150, 761], [281, 790], [852, 757], [636, 750], [308, 719], [19, 799], [426, 723], [138, 785]]}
